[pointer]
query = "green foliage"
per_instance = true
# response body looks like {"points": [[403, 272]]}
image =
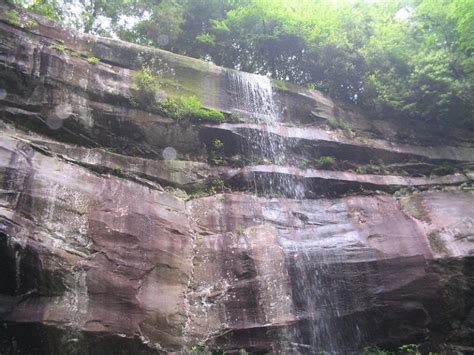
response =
{"points": [[13, 17], [409, 349], [30, 24], [117, 171], [335, 124], [47, 8], [189, 107], [217, 144], [376, 351], [133, 102], [444, 169], [417, 66], [216, 154], [332, 122], [198, 348], [326, 161], [93, 60], [146, 81], [217, 186], [59, 47], [186, 107], [240, 229], [64, 50], [369, 169], [280, 84]]}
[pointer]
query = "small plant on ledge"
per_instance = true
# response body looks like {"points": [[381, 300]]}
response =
{"points": [[146, 81], [13, 17], [93, 60], [188, 108], [326, 162]]}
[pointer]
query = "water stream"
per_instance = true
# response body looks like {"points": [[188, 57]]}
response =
{"points": [[314, 294], [252, 97]]}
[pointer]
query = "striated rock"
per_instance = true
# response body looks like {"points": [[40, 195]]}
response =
{"points": [[102, 252]]}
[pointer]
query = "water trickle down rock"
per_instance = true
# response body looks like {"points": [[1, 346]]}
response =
{"points": [[113, 260], [315, 294], [252, 96]]}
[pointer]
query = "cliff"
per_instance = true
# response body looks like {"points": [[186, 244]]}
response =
{"points": [[125, 231]]}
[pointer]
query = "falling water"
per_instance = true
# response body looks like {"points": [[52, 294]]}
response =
{"points": [[315, 297], [252, 96]]}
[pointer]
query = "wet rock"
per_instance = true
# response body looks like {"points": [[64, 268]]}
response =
{"points": [[107, 245]]}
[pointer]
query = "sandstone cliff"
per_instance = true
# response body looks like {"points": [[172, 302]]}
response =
{"points": [[107, 247]]}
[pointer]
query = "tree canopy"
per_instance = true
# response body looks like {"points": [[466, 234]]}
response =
{"points": [[400, 58]]}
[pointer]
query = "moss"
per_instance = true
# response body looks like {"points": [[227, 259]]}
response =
{"points": [[188, 108], [13, 17], [93, 60]]}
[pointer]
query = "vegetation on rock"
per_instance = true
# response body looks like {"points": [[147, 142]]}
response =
{"points": [[398, 58], [326, 162]]}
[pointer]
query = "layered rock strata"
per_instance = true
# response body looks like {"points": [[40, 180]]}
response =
{"points": [[106, 247]]}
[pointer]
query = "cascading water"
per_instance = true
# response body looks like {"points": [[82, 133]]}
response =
{"points": [[315, 298], [252, 95]]}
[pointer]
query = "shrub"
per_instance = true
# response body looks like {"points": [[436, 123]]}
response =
{"points": [[13, 17], [209, 115], [326, 161], [146, 81], [332, 122], [93, 60], [30, 24], [189, 107], [117, 171], [59, 47], [217, 144]]}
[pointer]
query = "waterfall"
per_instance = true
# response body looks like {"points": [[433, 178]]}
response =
{"points": [[315, 297], [252, 96]]}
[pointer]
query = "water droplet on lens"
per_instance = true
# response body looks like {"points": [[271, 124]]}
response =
{"points": [[3, 93], [169, 153], [54, 122], [63, 111]]}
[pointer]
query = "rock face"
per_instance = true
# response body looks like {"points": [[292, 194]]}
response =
{"points": [[106, 247]]}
